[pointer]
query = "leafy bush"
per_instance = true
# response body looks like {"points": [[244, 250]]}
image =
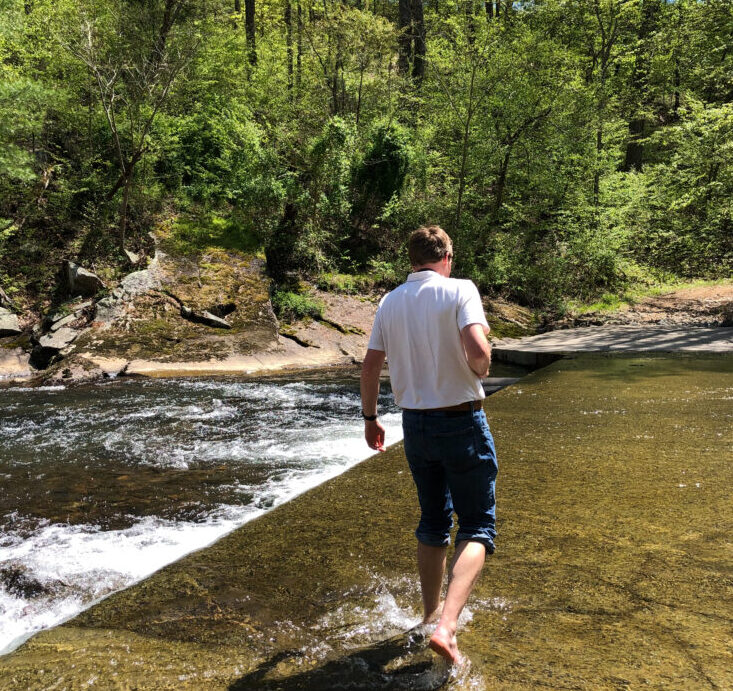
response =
{"points": [[290, 306]]}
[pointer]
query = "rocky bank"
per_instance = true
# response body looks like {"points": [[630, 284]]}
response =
{"points": [[205, 314]]}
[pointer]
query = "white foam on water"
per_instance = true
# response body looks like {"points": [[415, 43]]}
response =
{"points": [[75, 566]]}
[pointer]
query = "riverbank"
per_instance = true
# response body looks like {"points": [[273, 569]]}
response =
{"points": [[685, 318], [609, 570]]}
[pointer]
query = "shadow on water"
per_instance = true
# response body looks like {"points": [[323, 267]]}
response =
{"points": [[400, 662], [632, 368]]}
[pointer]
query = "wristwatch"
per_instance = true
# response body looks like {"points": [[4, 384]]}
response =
{"points": [[370, 418]]}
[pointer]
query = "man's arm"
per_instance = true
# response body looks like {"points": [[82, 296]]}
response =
{"points": [[477, 347], [370, 371]]}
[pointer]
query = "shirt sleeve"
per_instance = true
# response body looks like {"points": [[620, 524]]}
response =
{"points": [[470, 309], [376, 339]]}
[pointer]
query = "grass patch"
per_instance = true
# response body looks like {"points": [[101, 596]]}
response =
{"points": [[290, 307], [192, 234]]}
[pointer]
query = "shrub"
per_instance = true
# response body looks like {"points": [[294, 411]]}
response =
{"points": [[291, 306]]}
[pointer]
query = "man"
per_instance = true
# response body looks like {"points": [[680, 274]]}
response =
{"points": [[433, 331]]}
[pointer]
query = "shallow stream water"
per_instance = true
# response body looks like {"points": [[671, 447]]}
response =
{"points": [[102, 485]]}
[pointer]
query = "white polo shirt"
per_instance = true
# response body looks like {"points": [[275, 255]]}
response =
{"points": [[418, 325]]}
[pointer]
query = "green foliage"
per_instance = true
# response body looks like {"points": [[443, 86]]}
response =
{"points": [[290, 306], [517, 140], [688, 202], [192, 234]]}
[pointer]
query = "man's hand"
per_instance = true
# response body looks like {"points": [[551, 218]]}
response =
{"points": [[370, 371], [374, 434]]}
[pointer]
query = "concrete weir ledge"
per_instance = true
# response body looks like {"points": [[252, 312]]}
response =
{"points": [[611, 572], [540, 350]]}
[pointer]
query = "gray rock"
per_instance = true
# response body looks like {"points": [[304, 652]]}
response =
{"points": [[9, 325], [59, 339], [62, 321], [106, 310], [81, 281], [113, 307], [50, 345], [213, 320], [132, 257], [205, 318], [72, 313]]}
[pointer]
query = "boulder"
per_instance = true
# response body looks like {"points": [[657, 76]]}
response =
{"points": [[132, 257], [113, 307], [50, 345], [9, 325], [58, 339], [14, 363], [81, 281], [72, 313], [62, 321]]}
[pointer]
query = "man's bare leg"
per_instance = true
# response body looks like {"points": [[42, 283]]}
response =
{"points": [[465, 569], [431, 566]]}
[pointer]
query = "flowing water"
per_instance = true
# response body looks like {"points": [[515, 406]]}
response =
{"points": [[102, 485]]}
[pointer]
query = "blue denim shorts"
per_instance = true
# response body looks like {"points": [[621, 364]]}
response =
{"points": [[453, 464]]}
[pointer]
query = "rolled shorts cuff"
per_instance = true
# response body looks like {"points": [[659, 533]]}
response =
{"points": [[431, 539], [485, 540]]}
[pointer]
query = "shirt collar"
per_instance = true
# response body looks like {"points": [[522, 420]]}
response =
{"points": [[423, 275]]}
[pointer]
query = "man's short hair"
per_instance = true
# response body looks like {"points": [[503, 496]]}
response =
{"points": [[427, 245]]}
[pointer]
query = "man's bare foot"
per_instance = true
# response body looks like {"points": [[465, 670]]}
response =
{"points": [[434, 617], [444, 643]]}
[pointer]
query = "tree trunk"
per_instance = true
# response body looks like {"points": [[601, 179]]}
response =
{"points": [[640, 85], [170, 13], [418, 65], [464, 149], [358, 99], [249, 27], [404, 38], [289, 44], [123, 208], [489, 10], [597, 173], [634, 148], [298, 60], [501, 182]]}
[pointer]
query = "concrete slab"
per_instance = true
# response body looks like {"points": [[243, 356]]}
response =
{"points": [[540, 350], [612, 566]]}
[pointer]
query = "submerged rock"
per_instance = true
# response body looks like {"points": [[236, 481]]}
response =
{"points": [[15, 579], [9, 325]]}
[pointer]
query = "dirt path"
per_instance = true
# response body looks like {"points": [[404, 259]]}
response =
{"points": [[698, 306]]}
